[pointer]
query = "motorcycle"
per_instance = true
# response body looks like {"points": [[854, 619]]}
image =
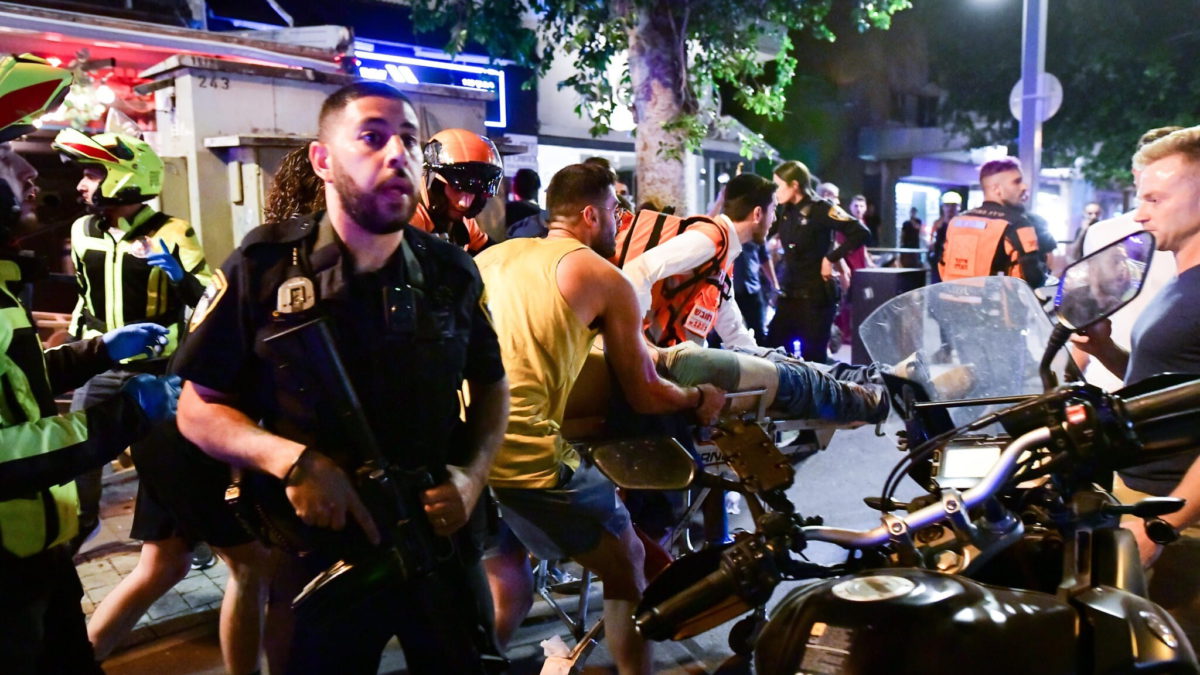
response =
{"points": [[1013, 560]]}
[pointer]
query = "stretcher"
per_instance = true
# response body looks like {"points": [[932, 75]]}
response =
{"points": [[746, 444], [720, 449]]}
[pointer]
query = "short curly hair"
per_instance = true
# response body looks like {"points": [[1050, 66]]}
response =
{"points": [[746, 191], [576, 186], [296, 191], [1184, 142], [996, 166]]}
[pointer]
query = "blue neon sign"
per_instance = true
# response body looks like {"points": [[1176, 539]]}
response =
{"points": [[375, 64]]}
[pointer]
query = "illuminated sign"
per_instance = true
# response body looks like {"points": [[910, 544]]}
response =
{"points": [[378, 65]]}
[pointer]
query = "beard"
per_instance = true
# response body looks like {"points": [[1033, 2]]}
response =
{"points": [[606, 245], [365, 208]]}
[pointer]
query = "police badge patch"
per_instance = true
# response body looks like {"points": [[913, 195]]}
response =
{"points": [[838, 213], [212, 295], [295, 295]]}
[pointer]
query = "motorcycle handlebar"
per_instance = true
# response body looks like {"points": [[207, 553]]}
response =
{"points": [[1169, 417], [934, 513], [1170, 401], [662, 621], [1167, 435], [1165, 421]]}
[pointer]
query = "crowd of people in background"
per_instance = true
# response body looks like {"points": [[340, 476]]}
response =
{"points": [[758, 270]]}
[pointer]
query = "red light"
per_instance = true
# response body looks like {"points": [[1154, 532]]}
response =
{"points": [[1077, 414]]}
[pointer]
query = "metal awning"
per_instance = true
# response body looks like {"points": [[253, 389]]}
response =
{"points": [[54, 25]]}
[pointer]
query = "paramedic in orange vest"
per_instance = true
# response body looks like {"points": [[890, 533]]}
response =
{"points": [[999, 236], [462, 172], [685, 280]]}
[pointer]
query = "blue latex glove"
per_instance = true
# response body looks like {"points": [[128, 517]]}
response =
{"points": [[166, 262], [134, 339], [157, 396]]}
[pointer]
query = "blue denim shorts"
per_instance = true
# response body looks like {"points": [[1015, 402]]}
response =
{"points": [[561, 522]]}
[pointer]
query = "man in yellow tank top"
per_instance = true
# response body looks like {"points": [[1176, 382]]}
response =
{"points": [[549, 298]]}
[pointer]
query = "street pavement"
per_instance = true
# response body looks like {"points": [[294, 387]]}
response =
{"points": [[179, 633]]}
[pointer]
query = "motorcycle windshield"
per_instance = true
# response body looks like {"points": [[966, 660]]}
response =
{"points": [[964, 339]]}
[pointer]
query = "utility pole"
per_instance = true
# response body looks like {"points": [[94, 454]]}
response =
{"points": [[1033, 98]]}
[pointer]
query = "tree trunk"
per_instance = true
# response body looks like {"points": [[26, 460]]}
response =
{"points": [[657, 72]]}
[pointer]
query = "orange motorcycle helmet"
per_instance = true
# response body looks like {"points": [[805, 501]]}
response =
{"points": [[466, 160]]}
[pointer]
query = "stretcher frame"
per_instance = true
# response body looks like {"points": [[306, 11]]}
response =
{"points": [[586, 639]]}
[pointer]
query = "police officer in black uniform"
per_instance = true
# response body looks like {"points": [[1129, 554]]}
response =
{"points": [[808, 292], [406, 315]]}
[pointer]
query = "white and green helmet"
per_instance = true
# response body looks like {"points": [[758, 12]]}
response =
{"points": [[134, 170], [29, 88]]}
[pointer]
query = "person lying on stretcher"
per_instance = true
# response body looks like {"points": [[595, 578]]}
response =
{"points": [[793, 389], [839, 394]]}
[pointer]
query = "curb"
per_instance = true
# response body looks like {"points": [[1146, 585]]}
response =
{"points": [[177, 624]]}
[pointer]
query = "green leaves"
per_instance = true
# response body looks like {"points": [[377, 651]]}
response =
{"points": [[719, 39], [878, 14], [685, 53]]}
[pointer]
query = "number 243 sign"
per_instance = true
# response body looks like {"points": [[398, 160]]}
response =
{"points": [[212, 82]]}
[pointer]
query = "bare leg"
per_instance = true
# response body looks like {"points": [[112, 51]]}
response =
{"points": [[162, 564], [733, 371], [243, 607], [619, 563], [511, 581]]}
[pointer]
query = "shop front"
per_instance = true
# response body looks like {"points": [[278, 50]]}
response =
{"points": [[221, 110]]}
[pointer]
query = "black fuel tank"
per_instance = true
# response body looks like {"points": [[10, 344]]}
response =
{"points": [[901, 621]]}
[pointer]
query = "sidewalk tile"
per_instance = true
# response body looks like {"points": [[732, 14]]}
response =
{"points": [[96, 573], [193, 582], [168, 605], [96, 595], [219, 573], [198, 599], [124, 562]]}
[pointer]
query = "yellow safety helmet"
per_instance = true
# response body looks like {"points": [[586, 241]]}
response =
{"points": [[29, 88], [951, 198], [134, 170]]}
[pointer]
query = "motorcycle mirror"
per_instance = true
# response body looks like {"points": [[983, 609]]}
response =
{"points": [[649, 463], [1095, 286]]}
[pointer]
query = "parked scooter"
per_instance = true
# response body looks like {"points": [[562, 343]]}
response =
{"points": [[1014, 562]]}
